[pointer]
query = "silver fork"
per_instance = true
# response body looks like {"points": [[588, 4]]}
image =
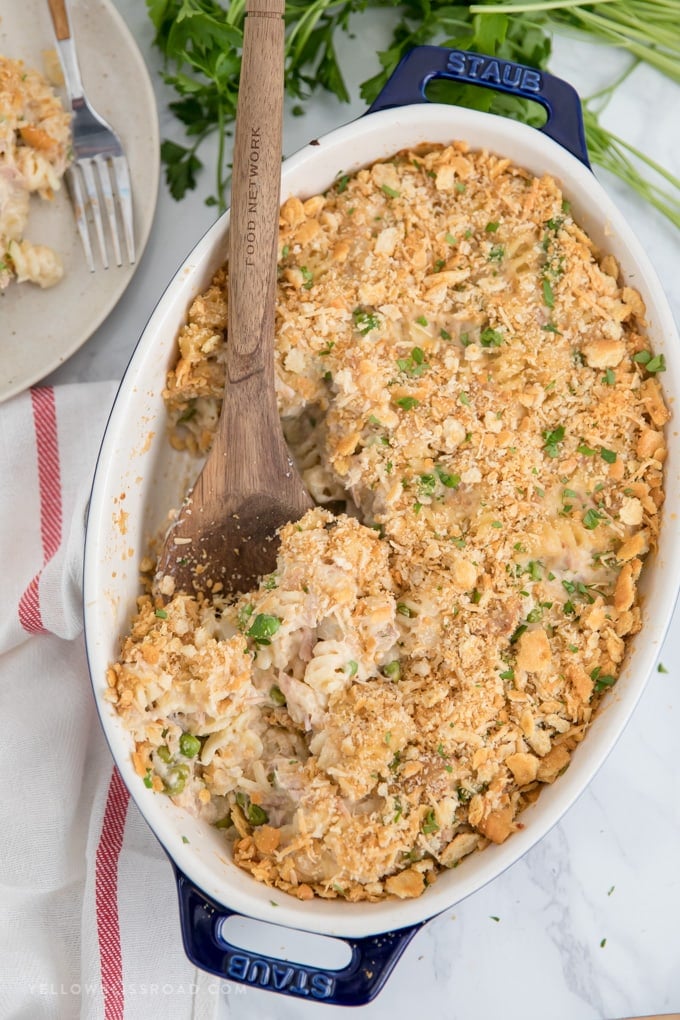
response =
{"points": [[99, 160]]}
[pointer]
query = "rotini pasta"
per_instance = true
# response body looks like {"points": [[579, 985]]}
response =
{"points": [[35, 262]]}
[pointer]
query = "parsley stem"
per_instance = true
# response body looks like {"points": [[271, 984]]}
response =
{"points": [[235, 11], [221, 203]]}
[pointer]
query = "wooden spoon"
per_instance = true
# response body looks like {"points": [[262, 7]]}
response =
{"points": [[224, 537]]}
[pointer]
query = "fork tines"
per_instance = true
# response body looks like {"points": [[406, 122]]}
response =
{"points": [[93, 189]]}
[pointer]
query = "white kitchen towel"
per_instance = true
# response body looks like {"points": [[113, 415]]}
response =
{"points": [[89, 925]]}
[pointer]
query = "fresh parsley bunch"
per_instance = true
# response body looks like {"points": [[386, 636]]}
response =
{"points": [[201, 41]]}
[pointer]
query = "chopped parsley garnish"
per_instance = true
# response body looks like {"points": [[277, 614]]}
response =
{"points": [[415, 364], [444, 335], [534, 569], [586, 450], [601, 680], [608, 455], [430, 824], [404, 610], [390, 192], [496, 253], [426, 485], [341, 183], [551, 440], [161, 614], [407, 403], [365, 321], [491, 228], [307, 276], [421, 320], [450, 239], [243, 616], [518, 633], [609, 377], [592, 518], [450, 481], [490, 337], [253, 812], [548, 296], [651, 363], [550, 327]]}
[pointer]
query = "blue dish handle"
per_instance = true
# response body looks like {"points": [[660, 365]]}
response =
{"points": [[373, 958], [423, 64]]}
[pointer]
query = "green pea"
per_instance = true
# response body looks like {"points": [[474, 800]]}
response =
{"points": [[277, 695], [176, 780], [189, 745], [393, 670], [256, 815]]}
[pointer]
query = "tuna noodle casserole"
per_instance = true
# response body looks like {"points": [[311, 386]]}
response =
{"points": [[35, 141], [457, 361]]}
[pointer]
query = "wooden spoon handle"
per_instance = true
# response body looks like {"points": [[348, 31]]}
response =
{"points": [[256, 185]]}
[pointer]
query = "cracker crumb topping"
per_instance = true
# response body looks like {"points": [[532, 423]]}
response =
{"points": [[460, 365]]}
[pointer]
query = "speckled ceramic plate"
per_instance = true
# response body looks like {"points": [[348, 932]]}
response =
{"points": [[40, 329]]}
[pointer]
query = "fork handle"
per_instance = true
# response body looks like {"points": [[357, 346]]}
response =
{"points": [[62, 28], [66, 47]]}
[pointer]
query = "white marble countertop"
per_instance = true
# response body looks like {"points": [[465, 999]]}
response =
{"points": [[586, 924]]}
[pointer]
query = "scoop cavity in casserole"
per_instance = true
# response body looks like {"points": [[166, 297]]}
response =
{"points": [[460, 365]]}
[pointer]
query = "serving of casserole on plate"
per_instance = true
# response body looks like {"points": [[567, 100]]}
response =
{"points": [[461, 363], [42, 327]]}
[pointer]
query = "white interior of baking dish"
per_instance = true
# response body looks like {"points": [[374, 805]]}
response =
{"points": [[139, 473]]}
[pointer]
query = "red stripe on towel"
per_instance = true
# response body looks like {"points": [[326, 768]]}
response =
{"points": [[49, 482], [106, 895]]}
